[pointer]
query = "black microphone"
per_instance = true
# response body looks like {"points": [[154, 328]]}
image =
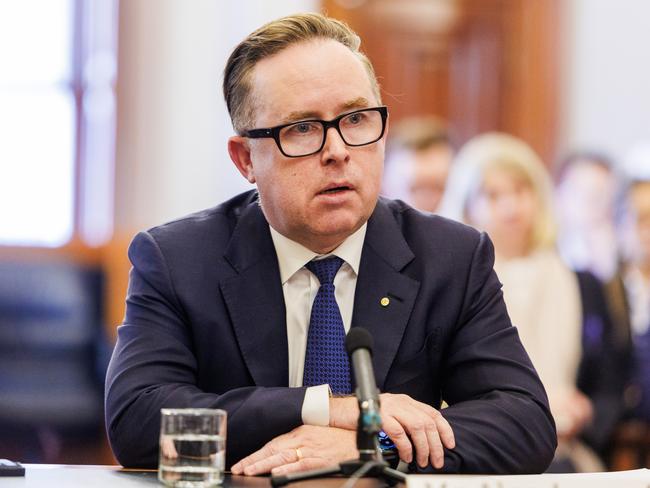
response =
{"points": [[358, 343]]}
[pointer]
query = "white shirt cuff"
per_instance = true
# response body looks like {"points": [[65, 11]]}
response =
{"points": [[316, 406]]}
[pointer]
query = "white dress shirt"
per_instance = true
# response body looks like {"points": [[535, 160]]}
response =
{"points": [[299, 286]]}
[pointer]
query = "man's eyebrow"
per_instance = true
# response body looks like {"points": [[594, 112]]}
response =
{"points": [[359, 102], [294, 116]]}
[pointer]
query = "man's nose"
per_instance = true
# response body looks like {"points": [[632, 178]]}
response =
{"points": [[335, 148]]}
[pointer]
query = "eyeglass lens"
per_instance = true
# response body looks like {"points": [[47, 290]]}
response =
{"points": [[356, 129]]}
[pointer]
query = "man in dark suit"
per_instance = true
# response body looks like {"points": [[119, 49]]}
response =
{"points": [[245, 306]]}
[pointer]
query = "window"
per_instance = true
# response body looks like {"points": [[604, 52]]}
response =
{"points": [[56, 120]]}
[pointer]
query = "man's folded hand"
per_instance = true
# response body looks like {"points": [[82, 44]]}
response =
{"points": [[409, 423]]}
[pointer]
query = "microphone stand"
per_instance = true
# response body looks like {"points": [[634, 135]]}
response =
{"points": [[370, 458]]}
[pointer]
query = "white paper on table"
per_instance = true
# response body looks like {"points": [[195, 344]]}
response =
{"points": [[638, 478]]}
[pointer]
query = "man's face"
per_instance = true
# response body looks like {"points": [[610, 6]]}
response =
{"points": [[321, 199], [506, 208], [429, 176], [587, 195]]}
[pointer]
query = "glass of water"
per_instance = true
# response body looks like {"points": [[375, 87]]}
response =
{"points": [[192, 447]]}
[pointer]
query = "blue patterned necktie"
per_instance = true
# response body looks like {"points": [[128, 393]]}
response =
{"points": [[326, 360]]}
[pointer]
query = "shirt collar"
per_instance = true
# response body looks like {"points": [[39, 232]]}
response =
{"points": [[293, 256]]}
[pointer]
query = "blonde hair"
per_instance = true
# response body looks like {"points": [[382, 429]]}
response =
{"points": [[491, 151], [272, 38]]}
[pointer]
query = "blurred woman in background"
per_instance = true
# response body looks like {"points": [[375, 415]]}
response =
{"points": [[629, 291], [500, 185]]}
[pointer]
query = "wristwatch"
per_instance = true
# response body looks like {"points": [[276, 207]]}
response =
{"points": [[388, 449]]}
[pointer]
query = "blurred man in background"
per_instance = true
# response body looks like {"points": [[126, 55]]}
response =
{"points": [[636, 278], [629, 290], [585, 195], [419, 157]]}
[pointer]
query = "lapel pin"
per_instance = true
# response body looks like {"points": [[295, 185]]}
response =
{"points": [[385, 301]]}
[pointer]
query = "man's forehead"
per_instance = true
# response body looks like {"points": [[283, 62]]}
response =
{"points": [[312, 79], [346, 106]]}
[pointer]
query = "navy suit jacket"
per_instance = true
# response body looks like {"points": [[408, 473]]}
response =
{"points": [[205, 327]]}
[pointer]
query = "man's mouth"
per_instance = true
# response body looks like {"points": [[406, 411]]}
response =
{"points": [[335, 188]]}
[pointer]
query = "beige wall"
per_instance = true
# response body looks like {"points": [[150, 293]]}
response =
{"points": [[172, 123], [606, 101]]}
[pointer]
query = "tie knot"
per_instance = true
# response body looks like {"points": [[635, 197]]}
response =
{"points": [[325, 269]]}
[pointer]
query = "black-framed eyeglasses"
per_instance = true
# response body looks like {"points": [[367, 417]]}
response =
{"points": [[307, 137]]}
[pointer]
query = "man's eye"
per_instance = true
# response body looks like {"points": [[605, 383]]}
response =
{"points": [[303, 128], [355, 118]]}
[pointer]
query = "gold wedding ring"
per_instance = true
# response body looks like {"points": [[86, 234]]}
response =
{"points": [[298, 453]]}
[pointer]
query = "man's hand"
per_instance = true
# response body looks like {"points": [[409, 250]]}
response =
{"points": [[409, 423], [305, 447]]}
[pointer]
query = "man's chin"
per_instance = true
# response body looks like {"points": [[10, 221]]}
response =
{"points": [[323, 232], [338, 229]]}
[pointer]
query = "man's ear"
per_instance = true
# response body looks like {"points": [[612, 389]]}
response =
{"points": [[240, 153]]}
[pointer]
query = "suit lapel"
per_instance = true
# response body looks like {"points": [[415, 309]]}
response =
{"points": [[256, 303], [385, 254], [255, 300]]}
